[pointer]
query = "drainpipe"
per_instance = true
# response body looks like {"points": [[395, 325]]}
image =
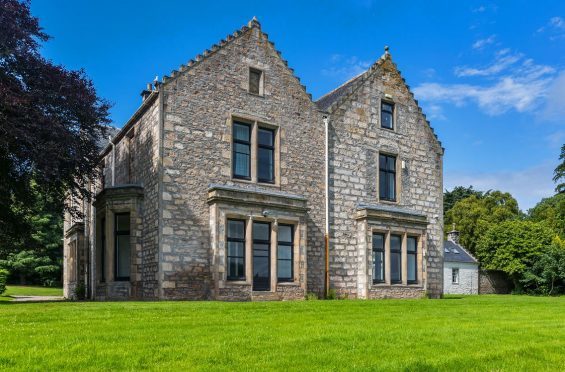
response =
{"points": [[113, 159], [327, 232]]}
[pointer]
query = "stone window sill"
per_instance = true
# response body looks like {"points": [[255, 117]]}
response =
{"points": [[288, 284], [257, 183]]}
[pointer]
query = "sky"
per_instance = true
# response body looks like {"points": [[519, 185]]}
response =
{"points": [[490, 76]]}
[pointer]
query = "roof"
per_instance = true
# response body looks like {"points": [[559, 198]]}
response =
{"points": [[332, 100], [453, 252]]}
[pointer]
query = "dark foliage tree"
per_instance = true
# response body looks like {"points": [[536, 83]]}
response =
{"points": [[50, 121], [456, 194], [559, 174]]}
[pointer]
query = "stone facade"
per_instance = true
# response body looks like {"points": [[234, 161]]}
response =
{"points": [[171, 170]]}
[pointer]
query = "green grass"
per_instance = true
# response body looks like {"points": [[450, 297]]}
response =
{"points": [[470, 333], [24, 290]]}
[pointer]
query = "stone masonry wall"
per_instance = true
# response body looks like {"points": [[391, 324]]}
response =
{"points": [[198, 106], [468, 278], [355, 142]]}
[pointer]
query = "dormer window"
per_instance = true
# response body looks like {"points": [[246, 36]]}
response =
{"points": [[255, 81], [387, 115]]}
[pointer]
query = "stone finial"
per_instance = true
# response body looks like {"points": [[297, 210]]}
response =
{"points": [[453, 235], [386, 50], [254, 22]]}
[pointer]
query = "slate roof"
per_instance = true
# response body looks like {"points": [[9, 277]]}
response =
{"points": [[335, 95], [453, 252]]}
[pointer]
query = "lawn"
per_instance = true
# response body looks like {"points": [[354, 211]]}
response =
{"points": [[468, 333], [23, 290]]}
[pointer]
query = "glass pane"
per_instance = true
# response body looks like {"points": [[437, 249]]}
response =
{"points": [[411, 244], [386, 119], [395, 241], [236, 229], [382, 162], [254, 81], [260, 250], [382, 185], [378, 241], [265, 166], [241, 148], [391, 181], [284, 269], [285, 233], [261, 231], [260, 267], [122, 222], [266, 137], [236, 268], [241, 162], [386, 107], [236, 249], [284, 252], [395, 267], [241, 131], [411, 267], [391, 163], [378, 266], [123, 256]]}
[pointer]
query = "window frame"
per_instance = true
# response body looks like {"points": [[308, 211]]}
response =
{"points": [[455, 270], [241, 142], [399, 252], [386, 171], [415, 254], [391, 112], [383, 261], [237, 240], [266, 147], [286, 244], [260, 84], [268, 243], [116, 234]]}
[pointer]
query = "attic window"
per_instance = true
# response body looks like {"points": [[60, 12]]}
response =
{"points": [[387, 115], [255, 81]]}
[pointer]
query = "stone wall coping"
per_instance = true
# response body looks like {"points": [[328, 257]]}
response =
{"points": [[118, 192], [386, 212], [262, 198]]}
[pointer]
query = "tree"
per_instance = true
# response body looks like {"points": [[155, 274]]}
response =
{"points": [[29, 267], [456, 194], [50, 121], [552, 211], [474, 215], [547, 275], [559, 174], [513, 247]]}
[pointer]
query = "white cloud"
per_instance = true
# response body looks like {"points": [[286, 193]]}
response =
{"points": [[510, 83], [556, 139], [528, 186], [554, 28], [345, 67], [480, 9], [481, 43], [555, 104]]}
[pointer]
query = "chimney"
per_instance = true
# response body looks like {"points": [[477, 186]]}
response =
{"points": [[453, 235], [146, 92]]}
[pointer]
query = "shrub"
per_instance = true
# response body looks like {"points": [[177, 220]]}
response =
{"points": [[3, 279], [80, 291], [547, 274], [332, 295], [311, 296]]}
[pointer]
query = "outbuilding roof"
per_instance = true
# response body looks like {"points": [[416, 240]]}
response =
{"points": [[453, 252]]}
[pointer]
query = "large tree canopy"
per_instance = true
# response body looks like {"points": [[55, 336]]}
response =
{"points": [[456, 194], [552, 211], [474, 215], [50, 121]]}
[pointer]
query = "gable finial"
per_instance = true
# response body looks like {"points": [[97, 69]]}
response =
{"points": [[254, 22], [386, 50]]}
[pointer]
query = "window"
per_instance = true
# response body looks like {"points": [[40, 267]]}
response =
{"points": [[103, 250], [395, 259], [241, 150], [387, 115], [261, 256], [266, 155], [255, 81], [285, 248], [455, 276], [378, 258], [123, 249], [236, 249], [387, 177], [411, 256]]}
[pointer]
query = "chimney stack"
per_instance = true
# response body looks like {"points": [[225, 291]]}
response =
{"points": [[453, 235]]}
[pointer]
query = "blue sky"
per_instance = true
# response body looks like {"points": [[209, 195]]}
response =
{"points": [[490, 76]]}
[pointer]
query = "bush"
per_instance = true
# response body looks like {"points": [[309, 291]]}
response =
{"points": [[3, 279], [311, 296], [80, 291], [547, 274]]}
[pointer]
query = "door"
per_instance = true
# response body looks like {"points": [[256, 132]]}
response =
{"points": [[261, 256]]}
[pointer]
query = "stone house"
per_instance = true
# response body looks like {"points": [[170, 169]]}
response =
{"points": [[460, 268], [224, 182]]}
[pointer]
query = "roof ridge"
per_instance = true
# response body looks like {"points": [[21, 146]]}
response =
{"points": [[339, 86]]}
